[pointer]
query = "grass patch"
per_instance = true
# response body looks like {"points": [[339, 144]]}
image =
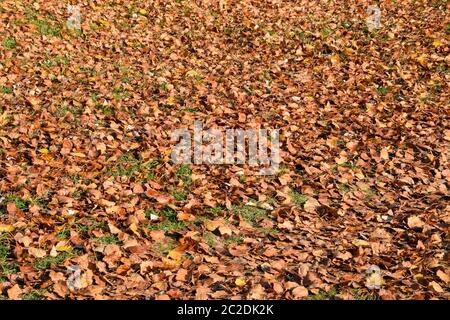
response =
{"points": [[47, 262], [233, 239], [190, 110], [298, 198], [121, 170], [120, 93], [372, 190], [44, 27], [81, 227], [107, 111], [170, 214], [382, 91], [323, 295], [34, 295], [343, 187], [63, 234], [167, 226], [210, 238], [164, 247], [56, 61], [79, 193], [349, 165], [96, 225], [184, 173], [268, 231], [250, 213], [91, 225], [128, 158], [6, 267], [6, 90], [8, 43], [130, 166], [214, 210], [110, 239], [171, 223], [359, 295], [150, 212], [179, 196], [20, 203], [76, 111]]}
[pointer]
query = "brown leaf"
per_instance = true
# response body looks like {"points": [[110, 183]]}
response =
{"points": [[311, 204], [436, 287], [300, 292], [15, 292], [414, 222], [443, 276]]}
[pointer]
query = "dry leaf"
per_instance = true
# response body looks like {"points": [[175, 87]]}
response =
{"points": [[6, 228], [240, 282], [300, 292], [415, 222], [37, 253], [311, 204], [14, 293]]}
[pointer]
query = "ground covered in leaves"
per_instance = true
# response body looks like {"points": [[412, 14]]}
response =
{"points": [[91, 205]]}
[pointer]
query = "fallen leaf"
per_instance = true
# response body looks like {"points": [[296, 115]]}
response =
{"points": [[240, 282], [310, 205], [37, 253], [6, 228], [300, 292], [415, 222], [14, 293], [436, 287], [443, 276]]}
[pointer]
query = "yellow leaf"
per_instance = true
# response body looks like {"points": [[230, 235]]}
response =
{"points": [[240, 282], [309, 47], [170, 264], [422, 60], [437, 43], [43, 150], [335, 59], [47, 156], [133, 227], [171, 100], [4, 119], [105, 23], [6, 228], [143, 12], [193, 73], [175, 254], [64, 248]]}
